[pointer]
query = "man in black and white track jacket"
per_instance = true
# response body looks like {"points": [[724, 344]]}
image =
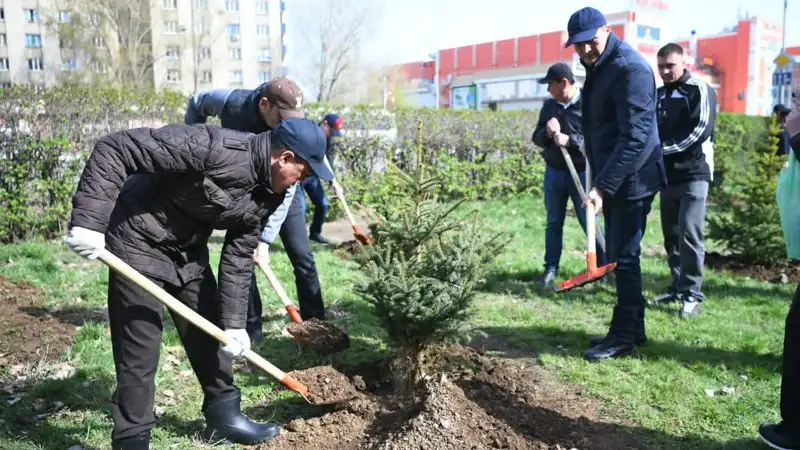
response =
{"points": [[687, 109]]}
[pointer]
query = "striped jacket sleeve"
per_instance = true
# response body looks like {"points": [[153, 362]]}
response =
{"points": [[700, 126]]}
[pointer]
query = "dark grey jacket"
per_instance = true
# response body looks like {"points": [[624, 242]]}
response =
{"points": [[188, 181]]}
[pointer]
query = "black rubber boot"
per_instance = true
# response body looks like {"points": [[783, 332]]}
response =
{"points": [[139, 442], [225, 421]]}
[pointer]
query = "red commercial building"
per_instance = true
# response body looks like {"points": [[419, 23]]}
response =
{"points": [[739, 63]]}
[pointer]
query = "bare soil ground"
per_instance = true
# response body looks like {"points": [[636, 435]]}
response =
{"points": [[478, 402], [28, 332]]}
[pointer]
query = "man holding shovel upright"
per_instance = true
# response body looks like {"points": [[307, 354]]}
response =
{"points": [[687, 110], [560, 125], [185, 182], [255, 111], [624, 155]]}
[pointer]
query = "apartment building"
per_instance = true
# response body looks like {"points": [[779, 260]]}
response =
{"points": [[196, 44], [203, 44], [27, 49]]}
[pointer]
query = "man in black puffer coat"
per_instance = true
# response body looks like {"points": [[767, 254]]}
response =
{"points": [[180, 183]]}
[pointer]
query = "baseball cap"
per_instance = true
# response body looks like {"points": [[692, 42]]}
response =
{"points": [[306, 140], [286, 94], [556, 72], [335, 122], [583, 25]]}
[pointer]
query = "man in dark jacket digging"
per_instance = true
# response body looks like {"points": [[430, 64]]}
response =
{"points": [[255, 111], [153, 198], [560, 124], [624, 153]]}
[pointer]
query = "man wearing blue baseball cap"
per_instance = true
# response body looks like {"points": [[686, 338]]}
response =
{"points": [[624, 154], [185, 182], [332, 128]]}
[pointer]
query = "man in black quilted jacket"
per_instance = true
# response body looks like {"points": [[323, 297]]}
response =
{"points": [[153, 197]]}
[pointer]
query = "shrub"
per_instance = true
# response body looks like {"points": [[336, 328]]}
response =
{"points": [[748, 224]]}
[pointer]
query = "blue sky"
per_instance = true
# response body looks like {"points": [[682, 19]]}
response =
{"points": [[407, 30]]}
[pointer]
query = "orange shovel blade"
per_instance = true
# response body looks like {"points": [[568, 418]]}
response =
{"points": [[586, 278]]}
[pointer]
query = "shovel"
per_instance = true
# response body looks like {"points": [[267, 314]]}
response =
{"points": [[363, 238], [321, 336], [204, 324], [579, 185], [593, 273]]}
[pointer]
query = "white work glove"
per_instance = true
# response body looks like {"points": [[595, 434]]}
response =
{"points": [[85, 242], [240, 344], [261, 255], [595, 197]]}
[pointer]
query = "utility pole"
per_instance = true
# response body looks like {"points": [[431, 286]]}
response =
{"points": [[194, 47], [783, 41], [435, 57]]}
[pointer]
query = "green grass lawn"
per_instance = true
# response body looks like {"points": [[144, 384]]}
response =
{"points": [[736, 343]]}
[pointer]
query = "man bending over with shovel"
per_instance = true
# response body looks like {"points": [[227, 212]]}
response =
{"points": [[624, 154], [183, 183]]}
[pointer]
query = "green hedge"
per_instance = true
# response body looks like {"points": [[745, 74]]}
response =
{"points": [[46, 134]]}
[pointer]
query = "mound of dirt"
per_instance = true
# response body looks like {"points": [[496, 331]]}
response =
{"points": [[326, 385], [478, 402], [28, 333]]}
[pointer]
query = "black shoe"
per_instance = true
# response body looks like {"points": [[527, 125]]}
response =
{"points": [[638, 339], [777, 436], [610, 347], [549, 277], [139, 442], [225, 422], [316, 237], [665, 298]]}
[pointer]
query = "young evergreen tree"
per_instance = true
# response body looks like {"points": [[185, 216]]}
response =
{"points": [[751, 228], [421, 274]]}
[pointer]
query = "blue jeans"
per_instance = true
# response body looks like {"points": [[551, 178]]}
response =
{"points": [[558, 188], [313, 186], [626, 221]]}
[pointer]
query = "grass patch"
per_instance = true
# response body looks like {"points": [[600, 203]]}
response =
{"points": [[736, 343]]}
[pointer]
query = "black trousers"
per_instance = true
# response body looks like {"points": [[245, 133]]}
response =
{"points": [[136, 325], [626, 222], [295, 240], [790, 373]]}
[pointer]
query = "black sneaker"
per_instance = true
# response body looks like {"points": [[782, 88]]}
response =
{"points": [[777, 436], [668, 297], [316, 237], [549, 278]]}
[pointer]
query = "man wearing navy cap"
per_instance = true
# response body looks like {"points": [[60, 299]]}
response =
{"points": [[624, 153], [560, 125], [255, 111], [186, 181], [332, 128]]}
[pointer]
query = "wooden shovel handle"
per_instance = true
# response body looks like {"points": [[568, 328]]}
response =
{"points": [[196, 319], [276, 285]]}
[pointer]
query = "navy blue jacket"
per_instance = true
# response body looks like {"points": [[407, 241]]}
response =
{"points": [[619, 124], [571, 124]]}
